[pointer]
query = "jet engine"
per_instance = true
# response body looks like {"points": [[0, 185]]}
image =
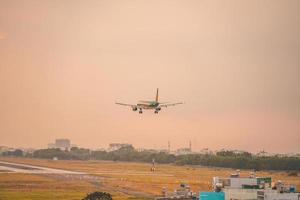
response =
{"points": [[157, 110]]}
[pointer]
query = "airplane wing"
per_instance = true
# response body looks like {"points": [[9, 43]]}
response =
{"points": [[170, 104], [124, 104]]}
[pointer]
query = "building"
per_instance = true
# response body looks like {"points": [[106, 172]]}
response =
{"points": [[28, 150], [5, 148], [63, 144], [153, 150], [184, 192], [240, 194], [276, 195], [253, 188], [183, 151], [249, 194], [237, 182], [206, 151], [212, 196], [263, 153], [241, 188], [117, 146]]}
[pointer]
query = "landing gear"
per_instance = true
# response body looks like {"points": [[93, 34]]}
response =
{"points": [[157, 110], [140, 111]]}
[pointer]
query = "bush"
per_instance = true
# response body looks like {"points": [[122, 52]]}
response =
{"points": [[293, 173]]}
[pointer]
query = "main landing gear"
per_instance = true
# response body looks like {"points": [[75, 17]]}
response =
{"points": [[157, 110], [140, 111]]}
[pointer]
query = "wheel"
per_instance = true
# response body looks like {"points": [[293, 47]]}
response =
{"points": [[156, 112], [140, 112]]}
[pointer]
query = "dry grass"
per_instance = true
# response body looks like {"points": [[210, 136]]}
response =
{"points": [[28, 186], [124, 179]]}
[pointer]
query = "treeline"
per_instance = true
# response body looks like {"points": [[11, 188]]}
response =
{"points": [[231, 159], [241, 162], [74, 154], [17, 152], [130, 154]]}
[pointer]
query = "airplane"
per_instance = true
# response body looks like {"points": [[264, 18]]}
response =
{"points": [[149, 105]]}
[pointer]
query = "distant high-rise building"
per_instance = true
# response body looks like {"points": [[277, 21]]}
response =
{"points": [[63, 144]]}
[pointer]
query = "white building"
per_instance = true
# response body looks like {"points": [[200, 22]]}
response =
{"points": [[240, 194], [183, 151], [253, 188], [275, 195], [237, 182]]}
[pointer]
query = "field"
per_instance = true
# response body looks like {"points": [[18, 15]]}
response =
{"points": [[123, 180]]}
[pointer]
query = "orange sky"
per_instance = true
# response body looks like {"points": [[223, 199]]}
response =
{"points": [[236, 64]]}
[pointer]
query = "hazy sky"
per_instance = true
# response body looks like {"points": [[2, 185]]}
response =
{"points": [[236, 64]]}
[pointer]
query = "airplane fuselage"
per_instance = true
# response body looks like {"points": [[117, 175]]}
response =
{"points": [[148, 104]]}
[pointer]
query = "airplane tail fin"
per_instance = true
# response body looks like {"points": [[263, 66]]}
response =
{"points": [[156, 98]]}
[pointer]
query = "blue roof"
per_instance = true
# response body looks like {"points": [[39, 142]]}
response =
{"points": [[212, 196]]}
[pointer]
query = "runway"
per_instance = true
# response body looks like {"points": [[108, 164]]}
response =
{"points": [[9, 167]]}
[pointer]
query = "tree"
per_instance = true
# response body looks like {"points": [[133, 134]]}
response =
{"points": [[17, 152], [98, 196]]}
